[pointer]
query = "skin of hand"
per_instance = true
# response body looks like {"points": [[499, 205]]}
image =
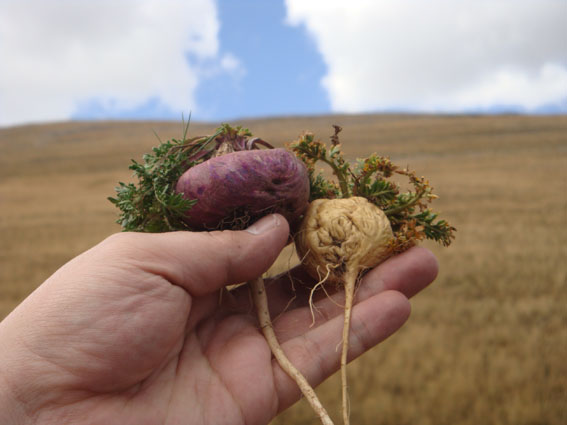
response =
{"points": [[137, 331]]}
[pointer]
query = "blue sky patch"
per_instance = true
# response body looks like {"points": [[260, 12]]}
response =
{"points": [[282, 69]]}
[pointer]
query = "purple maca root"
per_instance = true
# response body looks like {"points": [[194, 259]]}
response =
{"points": [[242, 186]]}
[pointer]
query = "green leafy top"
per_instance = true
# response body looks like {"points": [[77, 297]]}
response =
{"points": [[152, 205], [408, 212]]}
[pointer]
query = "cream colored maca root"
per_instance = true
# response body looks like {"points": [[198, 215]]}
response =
{"points": [[337, 235], [338, 239], [357, 220]]}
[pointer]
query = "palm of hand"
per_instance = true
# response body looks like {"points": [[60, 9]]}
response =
{"points": [[153, 354]]}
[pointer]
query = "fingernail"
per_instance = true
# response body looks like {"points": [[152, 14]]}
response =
{"points": [[264, 225]]}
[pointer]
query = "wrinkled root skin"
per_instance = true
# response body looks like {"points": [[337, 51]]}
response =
{"points": [[256, 181], [337, 234]]}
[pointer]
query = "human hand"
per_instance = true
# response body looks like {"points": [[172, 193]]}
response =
{"points": [[136, 331]]}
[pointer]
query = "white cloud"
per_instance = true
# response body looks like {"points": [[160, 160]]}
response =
{"points": [[438, 55], [58, 54]]}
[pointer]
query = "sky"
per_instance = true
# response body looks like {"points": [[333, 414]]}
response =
{"points": [[226, 59]]}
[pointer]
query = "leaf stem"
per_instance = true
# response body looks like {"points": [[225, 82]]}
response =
{"points": [[341, 177], [412, 201]]}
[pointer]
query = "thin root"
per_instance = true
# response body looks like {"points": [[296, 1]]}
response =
{"points": [[261, 300], [312, 307], [289, 303], [350, 278]]}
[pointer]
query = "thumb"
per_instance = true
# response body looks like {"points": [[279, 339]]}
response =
{"points": [[203, 262]]}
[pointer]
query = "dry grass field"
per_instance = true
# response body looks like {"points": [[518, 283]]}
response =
{"points": [[486, 344]]}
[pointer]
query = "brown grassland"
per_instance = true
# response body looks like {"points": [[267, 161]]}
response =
{"points": [[486, 343]]}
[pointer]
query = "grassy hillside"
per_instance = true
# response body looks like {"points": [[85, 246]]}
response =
{"points": [[486, 343]]}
